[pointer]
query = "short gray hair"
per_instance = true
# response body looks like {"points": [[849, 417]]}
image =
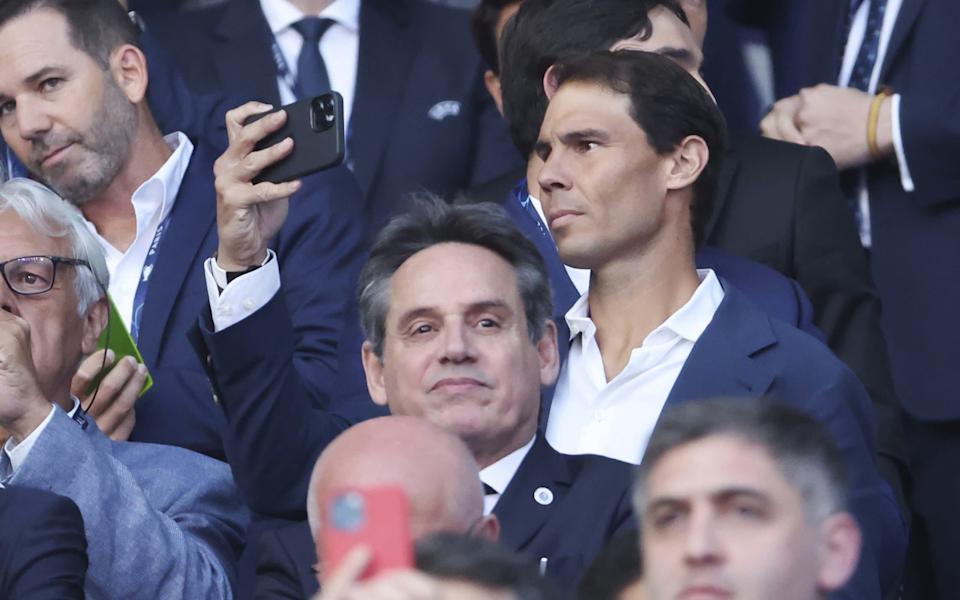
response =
{"points": [[798, 444], [50, 215], [432, 221]]}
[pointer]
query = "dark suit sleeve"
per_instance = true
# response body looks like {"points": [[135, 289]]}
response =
{"points": [[49, 558], [274, 370], [844, 407], [276, 571], [832, 267], [931, 142]]}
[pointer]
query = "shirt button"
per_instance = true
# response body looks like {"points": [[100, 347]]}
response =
{"points": [[225, 311], [248, 304]]}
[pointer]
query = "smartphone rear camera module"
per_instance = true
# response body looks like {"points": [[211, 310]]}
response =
{"points": [[348, 512], [323, 113]]}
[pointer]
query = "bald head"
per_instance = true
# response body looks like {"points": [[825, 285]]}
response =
{"points": [[434, 468]]}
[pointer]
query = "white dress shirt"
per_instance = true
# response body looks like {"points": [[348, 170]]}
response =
{"points": [[499, 474], [858, 29], [615, 418], [339, 46], [152, 203]]}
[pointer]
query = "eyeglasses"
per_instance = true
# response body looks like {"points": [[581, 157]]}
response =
{"points": [[32, 275]]}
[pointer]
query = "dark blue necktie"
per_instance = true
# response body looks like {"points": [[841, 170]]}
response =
{"points": [[312, 76], [867, 56], [860, 79]]}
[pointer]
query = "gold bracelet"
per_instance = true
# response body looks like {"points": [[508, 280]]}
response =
{"points": [[873, 121]]}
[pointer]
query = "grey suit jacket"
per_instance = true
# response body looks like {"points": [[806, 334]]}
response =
{"points": [[161, 522]]}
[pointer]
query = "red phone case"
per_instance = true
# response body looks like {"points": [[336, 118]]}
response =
{"points": [[378, 518]]}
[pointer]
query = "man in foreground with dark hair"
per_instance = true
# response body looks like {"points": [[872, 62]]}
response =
{"points": [[744, 499], [626, 146]]}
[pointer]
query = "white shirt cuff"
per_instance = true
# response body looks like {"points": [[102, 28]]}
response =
{"points": [[244, 295], [17, 453], [905, 180]]}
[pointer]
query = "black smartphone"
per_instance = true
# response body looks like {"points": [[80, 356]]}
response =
{"points": [[316, 126]]}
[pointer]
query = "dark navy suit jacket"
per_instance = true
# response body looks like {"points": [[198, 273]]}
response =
{"points": [[413, 55], [915, 241], [746, 353], [591, 504], [43, 550], [295, 335]]}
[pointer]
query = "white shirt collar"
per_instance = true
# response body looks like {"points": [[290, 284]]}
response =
{"points": [[499, 474], [162, 188], [688, 322], [281, 14]]}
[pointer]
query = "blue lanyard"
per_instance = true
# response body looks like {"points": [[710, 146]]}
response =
{"points": [[284, 74], [283, 70], [140, 297], [522, 196]]}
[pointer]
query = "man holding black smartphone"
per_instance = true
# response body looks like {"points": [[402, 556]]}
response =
{"points": [[73, 110]]}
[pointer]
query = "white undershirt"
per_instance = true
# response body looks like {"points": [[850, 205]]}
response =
{"points": [[499, 474], [339, 46], [615, 418], [858, 28], [152, 203]]}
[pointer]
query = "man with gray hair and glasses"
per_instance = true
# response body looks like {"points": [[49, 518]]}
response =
{"points": [[744, 499], [161, 522]]}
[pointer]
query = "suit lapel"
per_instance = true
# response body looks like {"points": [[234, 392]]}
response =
{"points": [[728, 170], [520, 515], [244, 57], [191, 220], [909, 11], [721, 362], [387, 48]]}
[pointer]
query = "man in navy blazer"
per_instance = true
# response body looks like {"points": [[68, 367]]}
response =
{"points": [[907, 189], [43, 551], [467, 349], [154, 206], [419, 119], [652, 326], [160, 521]]}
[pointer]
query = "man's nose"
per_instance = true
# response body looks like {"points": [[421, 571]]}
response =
{"points": [[8, 298], [457, 346], [32, 119], [702, 544], [553, 174]]}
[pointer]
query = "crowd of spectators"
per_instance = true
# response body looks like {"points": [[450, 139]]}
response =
{"points": [[608, 299]]}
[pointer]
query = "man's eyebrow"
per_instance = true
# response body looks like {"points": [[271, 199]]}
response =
{"points": [[580, 135], [731, 493], [41, 74]]}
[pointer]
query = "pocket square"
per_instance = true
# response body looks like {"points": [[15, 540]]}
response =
{"points": [[442, 110]]}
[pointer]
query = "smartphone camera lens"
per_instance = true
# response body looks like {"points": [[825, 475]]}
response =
{"points": [[348, 512], [323, 113]]}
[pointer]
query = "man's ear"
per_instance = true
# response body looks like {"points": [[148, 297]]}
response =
{"points": [[550, 83], [689, 159], [841, 541], [129, 68], [549, 354], [488, 528], [492, 82], [94, 322], [373, 369]]}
